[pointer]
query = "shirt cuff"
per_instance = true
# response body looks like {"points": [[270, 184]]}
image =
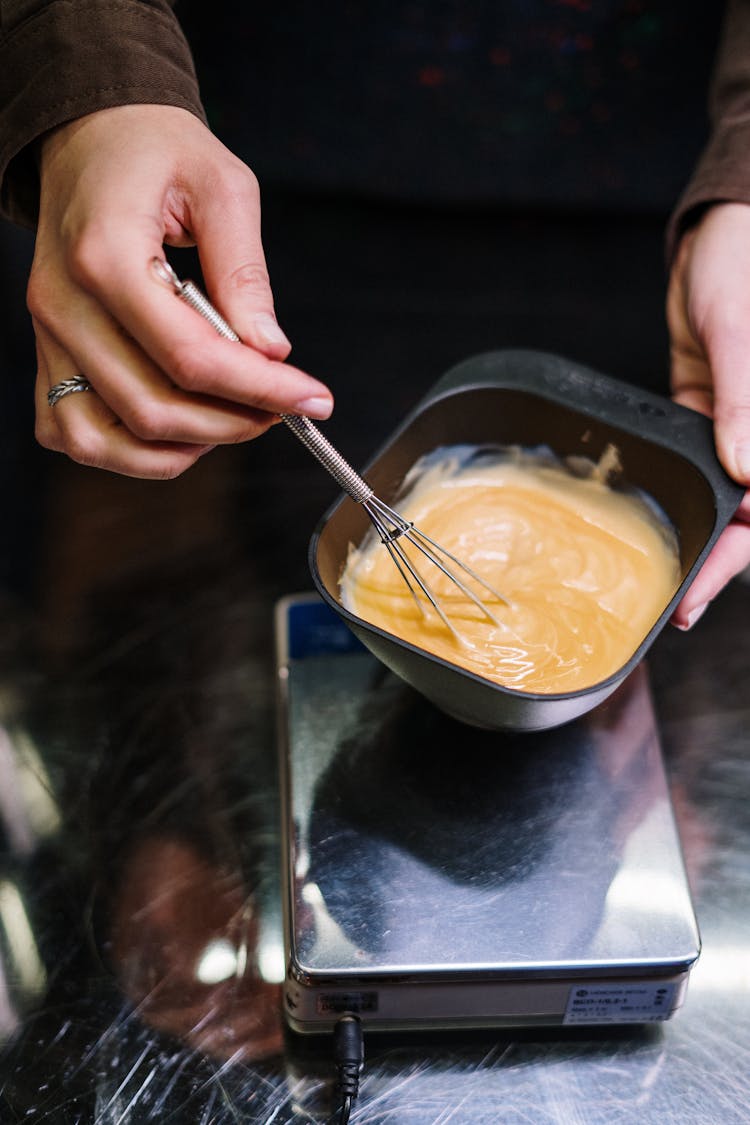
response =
{"points": [[721, 176], [69, 59]]}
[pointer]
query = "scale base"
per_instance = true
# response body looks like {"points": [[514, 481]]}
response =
{"points": [[437, 876]]}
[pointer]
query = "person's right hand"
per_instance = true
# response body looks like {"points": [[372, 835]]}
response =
{"points": [[116, 186]]}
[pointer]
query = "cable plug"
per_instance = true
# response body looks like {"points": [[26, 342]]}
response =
{"points": [[349, 1057]]}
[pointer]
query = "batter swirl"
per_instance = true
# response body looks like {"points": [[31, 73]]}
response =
{"points": [[587, 570]]}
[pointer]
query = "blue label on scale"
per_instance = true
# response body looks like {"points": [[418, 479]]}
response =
{"points": [[314, 629]]}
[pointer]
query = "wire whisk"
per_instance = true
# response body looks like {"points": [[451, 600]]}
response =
{"points": [[390, 526]]}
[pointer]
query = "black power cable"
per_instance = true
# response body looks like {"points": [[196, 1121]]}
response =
{"points": [[349, 1057]]}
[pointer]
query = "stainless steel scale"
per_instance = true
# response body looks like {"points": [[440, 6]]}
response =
{"points": [[441, 876]]}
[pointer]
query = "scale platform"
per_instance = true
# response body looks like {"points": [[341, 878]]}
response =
{"points": [[439, 876]]}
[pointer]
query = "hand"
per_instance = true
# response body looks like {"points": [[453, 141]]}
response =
{"points": [[115, 187], [708, 313]]}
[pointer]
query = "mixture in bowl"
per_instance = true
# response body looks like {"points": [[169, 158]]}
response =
{"points": [[586, 568]]}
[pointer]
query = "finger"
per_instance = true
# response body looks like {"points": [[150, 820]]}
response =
{"points": [[730, 556], [139, 394], [690, 375], [177, 338], [709, 317], [691, 381], [46, 429], [227, 228], [86, 429], [729, 348]]}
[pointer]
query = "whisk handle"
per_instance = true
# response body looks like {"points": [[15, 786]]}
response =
{"points": [[302, 428], [330, 458]]}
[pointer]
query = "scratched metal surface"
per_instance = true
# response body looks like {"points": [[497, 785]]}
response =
{"points": [[138, 875]]}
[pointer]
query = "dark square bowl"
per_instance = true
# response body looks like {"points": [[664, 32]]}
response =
{"points": [[530, 398]]}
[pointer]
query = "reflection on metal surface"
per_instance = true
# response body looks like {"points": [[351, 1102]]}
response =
{"points": [[10, 1018], [23, 977], [647, 890], [723, 969], [643, 882], [436, 847], [270, 957], [182, 933], [219, 961], [28, 808], [24, 962], [325, 932]]}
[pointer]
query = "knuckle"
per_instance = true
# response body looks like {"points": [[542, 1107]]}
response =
{"points": [[86, 256], [732, 415], [40, 291], [83, 450], [249, 278], [47, 436], [148, 421], [239, 184]]}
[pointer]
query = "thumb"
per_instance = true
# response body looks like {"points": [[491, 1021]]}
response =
{"points": [[708, 313], [226, 227], [730, 369]]}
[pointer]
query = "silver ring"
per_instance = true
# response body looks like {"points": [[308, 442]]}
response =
{"points": [[68, 387]]}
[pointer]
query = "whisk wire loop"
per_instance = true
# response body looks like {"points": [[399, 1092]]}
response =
{"points": [[433, 551]]}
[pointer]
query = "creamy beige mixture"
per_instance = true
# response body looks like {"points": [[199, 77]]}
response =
{"points": [[586, 570]]}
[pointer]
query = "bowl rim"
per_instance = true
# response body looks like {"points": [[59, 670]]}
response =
{"points": [[642, 413]]}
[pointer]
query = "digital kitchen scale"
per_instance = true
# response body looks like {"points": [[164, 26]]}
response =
{"points": [[438, 876]]}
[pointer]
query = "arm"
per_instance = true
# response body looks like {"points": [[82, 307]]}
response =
{"points": [[708, 301], [61, 59], [115, 183]]}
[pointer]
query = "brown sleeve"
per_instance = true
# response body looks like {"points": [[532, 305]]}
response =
{"points": [[61, 59], [723, 171]]}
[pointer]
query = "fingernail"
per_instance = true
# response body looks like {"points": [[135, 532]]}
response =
{"points": [[269, 329], [696, 614], [316, 407], [692, 617]]}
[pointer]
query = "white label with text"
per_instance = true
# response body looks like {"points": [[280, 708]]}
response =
{"points": [[619, 1003]]}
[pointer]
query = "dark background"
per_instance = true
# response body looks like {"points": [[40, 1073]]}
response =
{"points": [[437, 182]]}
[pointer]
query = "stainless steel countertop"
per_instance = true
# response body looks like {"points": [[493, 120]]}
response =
{"points": [[138, 793]]}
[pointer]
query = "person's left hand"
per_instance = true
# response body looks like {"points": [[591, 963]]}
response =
{"points": [[708, 314]]}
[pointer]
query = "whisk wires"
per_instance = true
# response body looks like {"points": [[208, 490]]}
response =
{"points": [[390, 526]]}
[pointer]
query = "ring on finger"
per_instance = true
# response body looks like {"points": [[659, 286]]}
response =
{"points": [[68, 387]]}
